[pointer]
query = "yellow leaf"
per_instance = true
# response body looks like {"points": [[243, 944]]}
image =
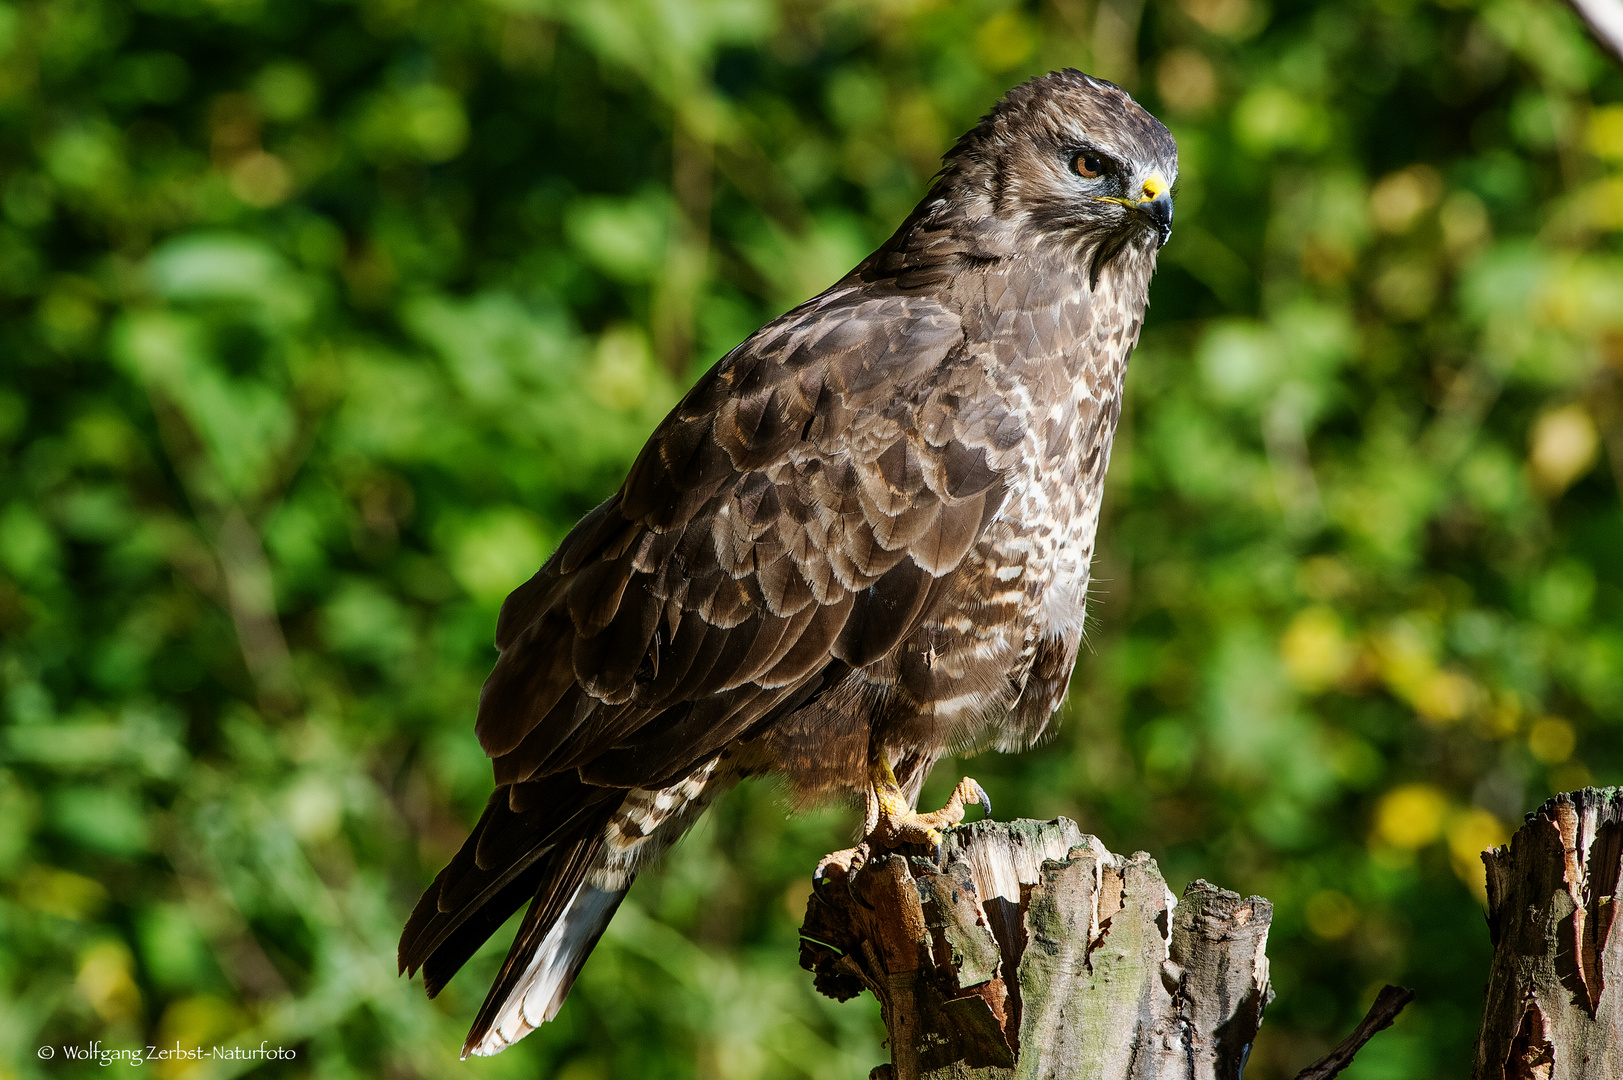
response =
{"points": [[1314, 648], [1330, 914], [1411, 816], [1552, 740], [1564, 447]]}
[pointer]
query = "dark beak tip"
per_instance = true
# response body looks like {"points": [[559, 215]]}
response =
{"points": [[1160, 214]]}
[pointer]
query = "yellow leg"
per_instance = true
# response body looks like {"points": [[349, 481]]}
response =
{"points": [[896, 823], [890, 821]]}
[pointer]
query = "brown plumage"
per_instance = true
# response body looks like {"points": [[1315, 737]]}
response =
{"points": [[863, 537]]}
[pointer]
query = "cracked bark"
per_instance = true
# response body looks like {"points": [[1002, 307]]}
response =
{"points": [[1554, 1011], [1031, 950]]}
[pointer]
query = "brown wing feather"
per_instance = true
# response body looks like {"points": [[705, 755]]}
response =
{"points": [[793, 511]]}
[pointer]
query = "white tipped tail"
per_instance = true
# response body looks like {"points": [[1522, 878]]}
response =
{"points": [[540, 991]]}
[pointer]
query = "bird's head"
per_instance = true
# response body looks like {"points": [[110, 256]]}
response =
{"points": [[1071, 160]]}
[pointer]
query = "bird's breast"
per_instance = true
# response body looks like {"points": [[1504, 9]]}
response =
{"points": [[1062, 364]]}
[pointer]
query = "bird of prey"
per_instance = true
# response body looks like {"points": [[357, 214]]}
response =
{"points": [[861, 542]]}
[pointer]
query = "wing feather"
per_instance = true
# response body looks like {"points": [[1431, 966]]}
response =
{"points": [[798, 509], [606, 662], [586, 540], [573, 710], [883, 614], [754, 654], [595, 592], [957, 526], [525, 686], [676, 659], [810, 652], [716, 641]]}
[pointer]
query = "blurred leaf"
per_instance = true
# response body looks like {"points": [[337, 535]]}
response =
{"points": [[423, 121], [623, 237], [497, 552]]}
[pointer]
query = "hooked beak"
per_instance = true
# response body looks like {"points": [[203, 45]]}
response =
{"points": [[1155, 202]]}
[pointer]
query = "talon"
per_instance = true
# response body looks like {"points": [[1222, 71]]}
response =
{"points": [[981, 796], [892, 822], [847, 861]]}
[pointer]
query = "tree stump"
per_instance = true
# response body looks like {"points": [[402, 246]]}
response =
{"points": [[1029, 950], [1551, 903]]}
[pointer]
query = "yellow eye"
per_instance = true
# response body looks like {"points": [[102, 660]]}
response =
{"points": [[1087, 165]]}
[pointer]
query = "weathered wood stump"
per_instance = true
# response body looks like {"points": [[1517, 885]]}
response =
{"points": [[1555, 990], [1030, 950]]}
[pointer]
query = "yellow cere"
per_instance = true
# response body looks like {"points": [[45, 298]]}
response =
{"points": [[1155, 186]]}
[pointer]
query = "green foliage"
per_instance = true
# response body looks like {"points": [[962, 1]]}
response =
{"points": [[321, 322]]}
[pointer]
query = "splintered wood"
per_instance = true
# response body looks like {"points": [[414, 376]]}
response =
{"points": [[1030, 950], [1554, 1011]]}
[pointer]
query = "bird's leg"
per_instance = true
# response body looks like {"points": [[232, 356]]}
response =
{"points": [[898, 823], [890, 821]]}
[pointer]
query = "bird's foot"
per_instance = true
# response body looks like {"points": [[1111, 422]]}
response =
{"points": [[901, 824], [892, 822], [840, 864]]}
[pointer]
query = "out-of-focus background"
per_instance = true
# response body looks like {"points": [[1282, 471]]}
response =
{"points": [[322, 320]]}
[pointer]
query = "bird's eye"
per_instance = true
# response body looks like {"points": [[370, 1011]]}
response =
{"points": [[1087, 165]]}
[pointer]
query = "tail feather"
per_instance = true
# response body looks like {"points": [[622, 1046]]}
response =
{"points": [[550, 841], [548, 941], [454, 949], [503, 863], [538, 990]]}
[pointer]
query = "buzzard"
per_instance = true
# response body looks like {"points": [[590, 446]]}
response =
{"points": [[859, 543]]}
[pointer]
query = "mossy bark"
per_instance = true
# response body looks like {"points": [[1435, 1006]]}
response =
{"points": [[1031, 951]]}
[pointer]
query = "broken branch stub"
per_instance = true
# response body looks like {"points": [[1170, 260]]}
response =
{"points": [[1031, 950], [1555, 989]]}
